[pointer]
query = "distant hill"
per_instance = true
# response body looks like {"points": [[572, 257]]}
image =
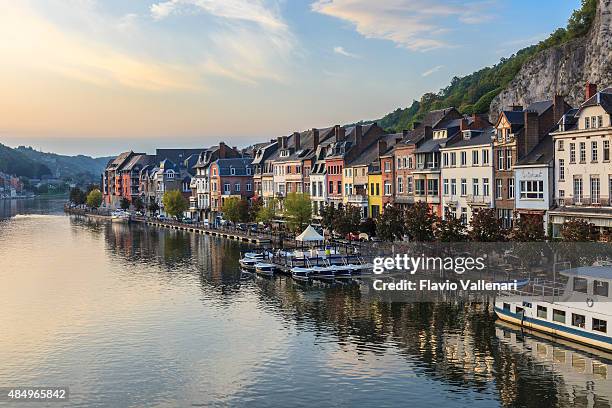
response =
{"points": [[17, 163], [66, 167], [474, 93]]}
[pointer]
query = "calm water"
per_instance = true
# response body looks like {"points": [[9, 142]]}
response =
{"points": [[129, 316]]}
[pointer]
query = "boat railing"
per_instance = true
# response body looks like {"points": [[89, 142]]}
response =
{"points": [[538, 287]]}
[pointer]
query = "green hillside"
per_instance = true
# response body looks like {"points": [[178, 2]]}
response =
{"points": [[16, 163], [473, 93]]}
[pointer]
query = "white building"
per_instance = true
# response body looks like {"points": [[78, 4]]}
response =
{"points": [[583, 170], [467, 174], [534, 181]]}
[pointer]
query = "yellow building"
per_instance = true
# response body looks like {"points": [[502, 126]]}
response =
{"points": [[374, 193]]}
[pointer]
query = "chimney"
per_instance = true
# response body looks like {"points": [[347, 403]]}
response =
{"points": [[398, 140], [558, 108], [296, 140], [516, 108], [382, 146], [358, 135], [591, 89], [464, 124], [415, 125], [279, 141], [531, 134], [405, 132], [479, 122], [315, 138], [340, 133], [222, 150], [428, 133]]}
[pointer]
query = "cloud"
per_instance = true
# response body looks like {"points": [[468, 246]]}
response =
{"points": [[432, 70], [341, 51], [412, 24]]}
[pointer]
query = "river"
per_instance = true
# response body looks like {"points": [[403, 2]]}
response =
{"points": [[131, 316]]}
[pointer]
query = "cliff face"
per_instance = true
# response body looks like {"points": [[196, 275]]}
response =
{"points": [[564, 69]]}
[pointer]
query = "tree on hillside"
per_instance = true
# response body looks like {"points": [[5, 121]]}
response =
{"points": [[174, 203], [391, 224], [235, 209], [486, 227], [298, 211], [420, 222], [124, 203], [527, 228], [450, 229], [578, 230], [94, 199], [267, 213]]}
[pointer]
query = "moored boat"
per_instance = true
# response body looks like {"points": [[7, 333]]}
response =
{"points": [[263, 268], [577, 309], [301, 274]]}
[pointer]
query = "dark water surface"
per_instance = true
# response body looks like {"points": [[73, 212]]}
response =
{"points": [[129, 316]]}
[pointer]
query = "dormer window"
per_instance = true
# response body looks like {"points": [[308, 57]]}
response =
{"points": [[233, 171], [284, 153], [467, 134], [248, 171]]}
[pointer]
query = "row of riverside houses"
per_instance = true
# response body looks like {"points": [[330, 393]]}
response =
{"points": [[546, 160]]}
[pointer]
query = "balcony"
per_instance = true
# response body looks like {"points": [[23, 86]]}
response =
{"points": [[478, 199], [358, 199], [451, 200], [585, 201]]}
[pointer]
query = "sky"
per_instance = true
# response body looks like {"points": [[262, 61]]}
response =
{"points": [[103, 76]]}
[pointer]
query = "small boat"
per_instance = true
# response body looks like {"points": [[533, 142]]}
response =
{"points": [[301, 274], [324, 272], [266, 269], [345, 271], [249, 263], [120, 216]]}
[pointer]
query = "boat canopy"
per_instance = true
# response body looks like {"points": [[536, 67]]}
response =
{"points": [[309, 235]]}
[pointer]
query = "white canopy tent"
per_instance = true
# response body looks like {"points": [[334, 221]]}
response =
{"points": [[310, 235]]}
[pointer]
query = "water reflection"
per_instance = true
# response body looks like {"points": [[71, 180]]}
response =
{"points": [[167, 319]]}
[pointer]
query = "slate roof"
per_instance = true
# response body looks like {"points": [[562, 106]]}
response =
{"points": [[569, 120], [177, 155], [431, 145], [264, 152], [543, 153], [370, 153], [119, 160], [142, 159], [240, 165], [603, 98], [540, 107], [477, 138]]}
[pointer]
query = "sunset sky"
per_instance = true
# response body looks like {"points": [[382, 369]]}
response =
{"points": [[102, 76]]}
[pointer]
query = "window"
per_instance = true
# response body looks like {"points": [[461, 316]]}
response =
{"points": [[226, 188], [600, 121], [453, 157], [561, 169], [594, 151], [232, 171], [578, 189], [331, 188], [405, 162], [572, 158], [508, 159], [387, 166], [485, 187], [560, 145], [400, 185], [606, 150], [485, 157], [445, 187], [463, 187], [587, 123], [453, 187], [582, 152], [527, 304], [464, 158], [346, 189], [510, 188], [475, 158], [578, 320], [507, 306], [559, 316], [475, 187], [387, 188], [600, 288], [600, 325], [237, 187], [519, 310], [248, 171], [445, 160], [399, 163], [580, 285], [531, 189], [542, 312], [432, 187], [339, 189], [410, 162], [409, 187], [595, 189], [419, 187], [500, 159], [464, 216], [499, 187], [371, 187], [377, 189]]}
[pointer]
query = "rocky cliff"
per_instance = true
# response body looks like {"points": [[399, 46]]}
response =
{"points": [[564, 69]]}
